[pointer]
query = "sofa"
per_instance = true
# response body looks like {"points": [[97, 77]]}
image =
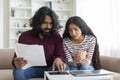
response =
{"points": [[6, 67], [6, 55]]}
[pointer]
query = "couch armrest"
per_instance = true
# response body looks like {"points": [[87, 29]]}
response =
{"points": [[110, 63], [6, 56]]}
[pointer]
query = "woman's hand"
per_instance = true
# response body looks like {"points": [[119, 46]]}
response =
{"points": [[79, 56], [19, 62], [59, 64], [84, 61]]}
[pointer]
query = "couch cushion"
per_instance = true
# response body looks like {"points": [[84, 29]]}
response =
{"points": [[110, 63], [6, 56], [6, 74]]}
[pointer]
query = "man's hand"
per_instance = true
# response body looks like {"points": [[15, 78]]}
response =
{"points": [[59, 64], [19, 62]]}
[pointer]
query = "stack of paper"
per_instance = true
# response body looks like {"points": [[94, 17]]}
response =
{"points": [[34, 54]]}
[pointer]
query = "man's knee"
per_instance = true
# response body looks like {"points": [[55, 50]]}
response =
{"points": [[18, 74], [17, 71]]}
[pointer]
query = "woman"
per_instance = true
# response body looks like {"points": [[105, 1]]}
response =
{"points": [[80, 45]]}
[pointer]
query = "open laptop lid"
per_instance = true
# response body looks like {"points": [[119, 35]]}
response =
{"points": [[79, 73]]}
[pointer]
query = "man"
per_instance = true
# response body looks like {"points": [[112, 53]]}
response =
{"points": [[44, 24]]}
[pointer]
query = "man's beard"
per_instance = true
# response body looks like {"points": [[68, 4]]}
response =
{"points": [[43, 33]]}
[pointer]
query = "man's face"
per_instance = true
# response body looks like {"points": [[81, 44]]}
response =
{"points": [[46, 26]]}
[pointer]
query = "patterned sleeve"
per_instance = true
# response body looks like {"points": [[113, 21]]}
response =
{"points": [[91, 49], [67, 52]]}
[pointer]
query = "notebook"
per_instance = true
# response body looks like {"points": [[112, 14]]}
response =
{"points": [[79, 73]]}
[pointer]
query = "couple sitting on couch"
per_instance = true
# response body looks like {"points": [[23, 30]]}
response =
{"points": [[79, 45]]}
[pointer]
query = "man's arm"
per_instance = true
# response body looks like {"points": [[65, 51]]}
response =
{"points": [[59, 54], [19, 62], [59, 51]]}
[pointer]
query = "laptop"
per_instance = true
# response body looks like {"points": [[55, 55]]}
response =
{"points": [[80, 73]]}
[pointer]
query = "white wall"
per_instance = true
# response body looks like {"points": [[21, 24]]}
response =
{"points": [[6, 23], [103, 17], [1, 23]]}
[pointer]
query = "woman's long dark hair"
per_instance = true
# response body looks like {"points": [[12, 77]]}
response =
{"points": [[39, 17], [86, 31]]}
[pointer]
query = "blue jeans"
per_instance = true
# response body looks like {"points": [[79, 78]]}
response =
{"points": [[85, 67], [33, 72]]}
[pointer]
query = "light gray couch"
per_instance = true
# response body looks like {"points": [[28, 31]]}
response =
{"points": [[6, 67], [108, 63]]}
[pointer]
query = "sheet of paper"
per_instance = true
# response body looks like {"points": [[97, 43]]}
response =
{"points": [[34, 54]]}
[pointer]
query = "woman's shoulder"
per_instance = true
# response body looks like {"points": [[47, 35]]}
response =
{"points": [[66, 39], [90, 37]]}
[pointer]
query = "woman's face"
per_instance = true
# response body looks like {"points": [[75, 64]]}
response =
{"points": [[74, 31]]}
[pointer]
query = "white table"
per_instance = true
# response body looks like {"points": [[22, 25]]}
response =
{"points": [[47, 76]]}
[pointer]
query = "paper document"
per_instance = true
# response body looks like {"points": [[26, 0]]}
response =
{"points": [[34, 54]]}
